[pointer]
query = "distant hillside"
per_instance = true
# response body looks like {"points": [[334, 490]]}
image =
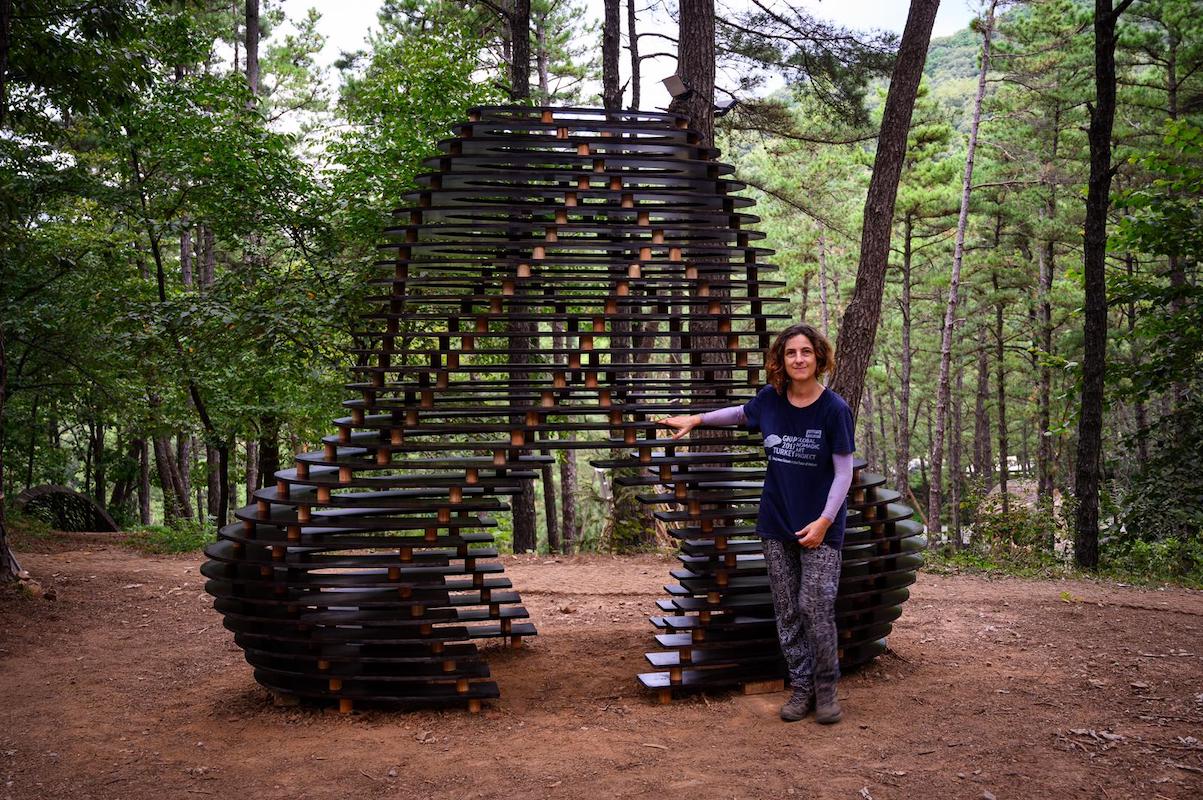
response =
{"points": [[951, 57], [951, 73]]}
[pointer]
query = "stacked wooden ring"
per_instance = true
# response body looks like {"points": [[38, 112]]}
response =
{"points": [[559, 279]]}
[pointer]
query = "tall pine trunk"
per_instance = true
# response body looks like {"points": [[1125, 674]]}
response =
{"points": [[570, 532], [902, 454], [1004, 455], [633, 47], [611, 39], [695, 66], [858, 329], [935, 491], [9, 567], [1088, 466]]}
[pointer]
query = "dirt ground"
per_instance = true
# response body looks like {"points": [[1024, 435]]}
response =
{"points": [[127, 686]]}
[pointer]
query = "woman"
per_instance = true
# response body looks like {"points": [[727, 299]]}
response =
{"points": [[808, 440]]}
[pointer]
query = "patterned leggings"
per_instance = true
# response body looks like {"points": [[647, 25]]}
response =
{"points": [[804, 582]]}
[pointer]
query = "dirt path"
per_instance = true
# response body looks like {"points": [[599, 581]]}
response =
{"points": [[127, 686]]}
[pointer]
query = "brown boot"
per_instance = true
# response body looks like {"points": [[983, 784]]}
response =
{"points": [[799, 705], [827, 707]]}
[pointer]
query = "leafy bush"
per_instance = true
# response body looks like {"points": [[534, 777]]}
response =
{"points": [[182, 536], [1167, 559], [1022, 535]]}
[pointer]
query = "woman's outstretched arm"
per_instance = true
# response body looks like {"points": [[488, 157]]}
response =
{"points": [[683, 424]]}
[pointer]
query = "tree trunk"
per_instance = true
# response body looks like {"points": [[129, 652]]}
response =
{"points": [[1044, 444], [99, 482], [541, 59], [954, 454], [611, 40], [519, 23], [9, 568], [143, 482], [568, 522], [1088, 466], [823, 283], [549, 508], [252, 49], [167, 481], [871, 454], [1139, 410], [186, 254], [209, 263], [982, 458], [1004, 457], [695, 66], [226, 489], [902, 455], [1001, 389], [183, 464], [213, 479], [858, 330], [934, 495], [252, 469], [633, 47], [269, 450]]}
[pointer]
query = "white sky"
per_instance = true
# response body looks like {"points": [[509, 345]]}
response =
{"points": [[345, 24]]}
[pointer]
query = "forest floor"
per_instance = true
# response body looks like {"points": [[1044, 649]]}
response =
{"points": [[126, 685]]}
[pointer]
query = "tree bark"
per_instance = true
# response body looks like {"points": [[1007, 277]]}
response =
{"points": [[858, 330], [268, 450], [954, 454], [1047, 265], [982, 451], [823, 283], [167, 479], [519, 22], [549, 508], [183, 463], [213, 479], [611, 40], [1004, 456], [186, 254], [143, 482], [902, 454], [252, 49], [9, 567], [209, 262], [633, 47], [1088, 467], [695, 66], [569, 532], [542, 58], [252, 469], [935, 490]]}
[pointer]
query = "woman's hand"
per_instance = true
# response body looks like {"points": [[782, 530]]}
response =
{"points": [[813, 534], [681, 425]]}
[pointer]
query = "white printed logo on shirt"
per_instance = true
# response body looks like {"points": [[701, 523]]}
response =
{"points": [[801, 450]]}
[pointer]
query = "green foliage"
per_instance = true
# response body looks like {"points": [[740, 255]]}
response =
{"points": [[1168, 560], [1021, 535], [182, 536]]}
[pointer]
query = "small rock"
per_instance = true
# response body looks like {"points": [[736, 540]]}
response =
{"points": [[988, 796]]}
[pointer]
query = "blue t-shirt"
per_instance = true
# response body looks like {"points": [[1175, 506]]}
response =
{"points": [[799, 444]]}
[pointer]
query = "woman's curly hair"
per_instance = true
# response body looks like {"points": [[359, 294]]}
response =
{"points": [[774, 365]]}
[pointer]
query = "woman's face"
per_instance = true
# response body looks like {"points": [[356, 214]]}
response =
{"points": [[800, 360]]}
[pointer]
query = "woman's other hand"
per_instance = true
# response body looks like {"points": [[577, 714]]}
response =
{"points": [[813, 534], [681, 425]]}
